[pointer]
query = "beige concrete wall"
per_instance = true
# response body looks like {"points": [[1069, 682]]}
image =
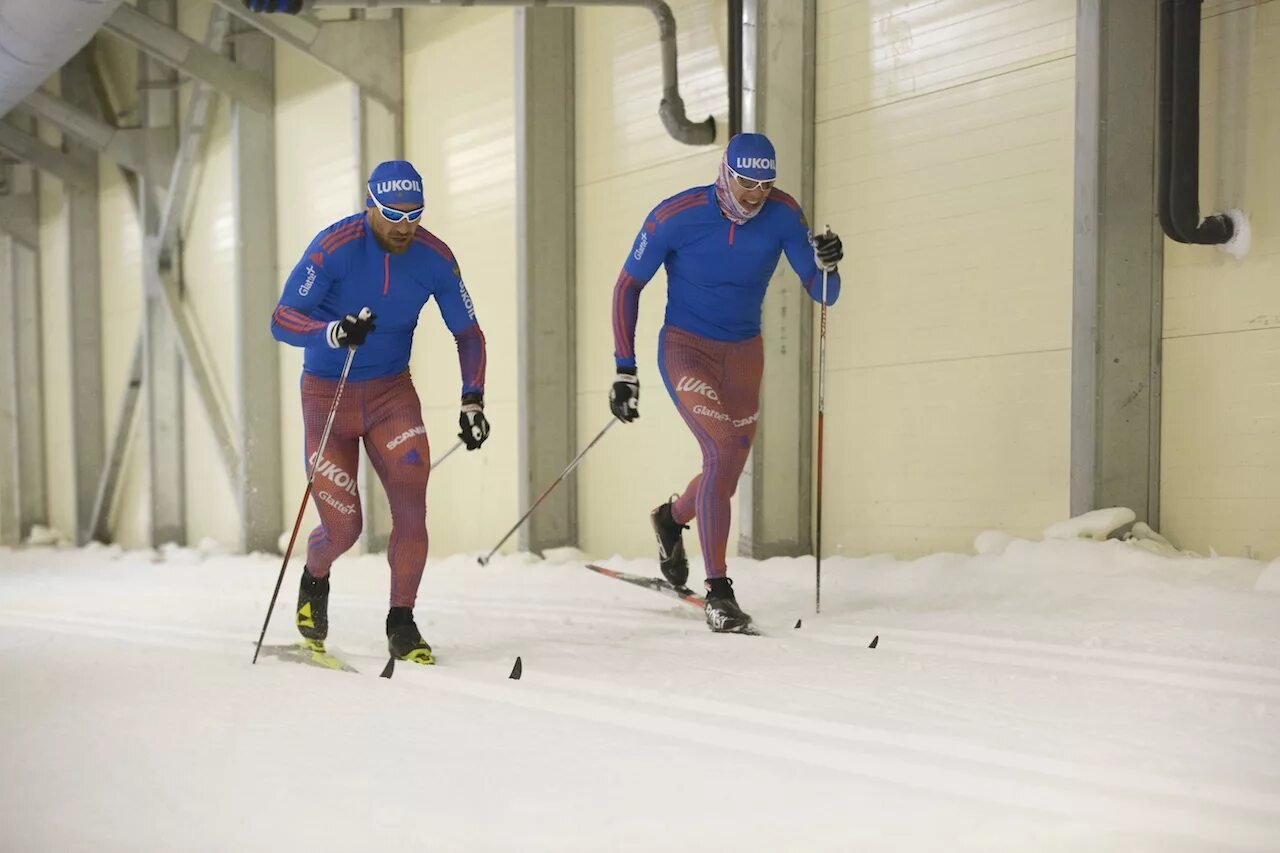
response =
{"points": [[316, 185], [626, 164], [460, 134], [1220, 478], [944, 160], [56, 354]]}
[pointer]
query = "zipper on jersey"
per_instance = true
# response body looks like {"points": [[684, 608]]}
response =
{"points": [[386, 274]]}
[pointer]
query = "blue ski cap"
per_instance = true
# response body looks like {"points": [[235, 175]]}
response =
{"points": [[395, 182], [751, 156]]}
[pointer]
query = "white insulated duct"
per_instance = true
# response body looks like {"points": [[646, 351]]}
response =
{"points": [[38, 36]]}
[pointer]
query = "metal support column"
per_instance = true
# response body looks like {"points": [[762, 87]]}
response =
{"points": [[774, 503], [158, 102], [258, 486], [87, 422], [28, 358], [33, 506], [10, 452], [545, 269], [379, 136], [1115, 370]]}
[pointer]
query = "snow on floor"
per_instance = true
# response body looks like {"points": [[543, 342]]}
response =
{"points": [[1063, 695]]}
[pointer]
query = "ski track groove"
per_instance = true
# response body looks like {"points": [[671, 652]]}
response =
{"points": [[1037, 783], [1222, 677], [1240, 816]]}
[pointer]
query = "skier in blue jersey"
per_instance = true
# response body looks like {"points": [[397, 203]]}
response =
{"points": [[382, 260], [720, 245]]}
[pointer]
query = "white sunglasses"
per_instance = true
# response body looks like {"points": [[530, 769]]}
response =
{"points": [[751, 184], [392, 215]]}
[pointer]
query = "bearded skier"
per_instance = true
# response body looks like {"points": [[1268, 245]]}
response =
{"points": [[382, 260], [720, 244]]}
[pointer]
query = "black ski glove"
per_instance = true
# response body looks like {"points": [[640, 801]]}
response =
{"points": [[624, 397], [474, 425], [351, 330], [827, 250]]}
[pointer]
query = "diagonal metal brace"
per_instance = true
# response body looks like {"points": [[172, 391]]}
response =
{"points": [[127, 147], [190, 57], [46, 158], [366, 52]]}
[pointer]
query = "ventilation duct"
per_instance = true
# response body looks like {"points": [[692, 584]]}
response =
{"points": [[38, 36]]}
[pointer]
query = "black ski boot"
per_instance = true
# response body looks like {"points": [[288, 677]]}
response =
{"points": [[724, 616], [670, 533], [312, 615], [403, 640]]}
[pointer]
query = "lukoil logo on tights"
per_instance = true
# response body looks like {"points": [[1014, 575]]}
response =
{"points": [[697, 386], [397, 185]]}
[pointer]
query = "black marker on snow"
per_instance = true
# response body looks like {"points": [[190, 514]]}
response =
{"points": [[875, 641], [517, 670], [389, 669]]}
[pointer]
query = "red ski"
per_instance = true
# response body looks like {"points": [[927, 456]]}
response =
{"points": [[661, 585]]}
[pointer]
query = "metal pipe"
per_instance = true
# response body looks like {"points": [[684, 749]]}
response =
{"points": [[670, 109], [1179, 79]]}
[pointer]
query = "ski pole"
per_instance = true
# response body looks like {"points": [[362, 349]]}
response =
{"points": [[437, 463], [485, 559], [822, 390], [311, 477]]}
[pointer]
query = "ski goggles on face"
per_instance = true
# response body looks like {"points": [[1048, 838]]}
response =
{"points": [[749, 184], [392, 215]]}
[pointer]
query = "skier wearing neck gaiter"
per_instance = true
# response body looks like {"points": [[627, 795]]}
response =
{"points": [[720, 245]]}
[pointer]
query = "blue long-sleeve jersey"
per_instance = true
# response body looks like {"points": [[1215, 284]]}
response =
{"points": [[345, 269], [717, 271]]}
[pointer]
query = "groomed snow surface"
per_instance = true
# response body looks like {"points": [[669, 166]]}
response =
{"points": [[1060, 695]]}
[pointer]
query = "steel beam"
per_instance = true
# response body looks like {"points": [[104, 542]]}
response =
{"points": [[194, 126], [10, 450], [367, 52], [159, 40], [258, 486], [19, 220], [75, 172], [1117, 301], [163, 250], [126, 415], [774, 495], [126, 147], [546, 272], [33, 502], [33, 507], [84, 302], [157, 107]]}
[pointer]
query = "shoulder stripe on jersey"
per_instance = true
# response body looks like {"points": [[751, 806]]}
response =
{"points": [[347, 238], [687, 203], [685, 200], [786, 199], [336, 236], [431, 241]]}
